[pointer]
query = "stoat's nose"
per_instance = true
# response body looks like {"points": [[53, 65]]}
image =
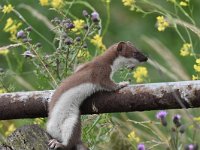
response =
{"points": [[144, 59], [140, 57]]}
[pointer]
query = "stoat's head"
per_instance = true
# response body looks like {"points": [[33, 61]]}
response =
{"points": [[127, 56]]}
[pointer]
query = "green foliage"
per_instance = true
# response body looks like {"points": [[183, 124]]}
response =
{"points": [[55, 37]]}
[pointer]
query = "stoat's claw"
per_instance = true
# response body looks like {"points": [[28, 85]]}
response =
{"points": [[54, 144], [123, 84]]}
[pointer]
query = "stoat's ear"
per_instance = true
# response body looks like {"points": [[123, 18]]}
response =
{"points": [[121, 46]]}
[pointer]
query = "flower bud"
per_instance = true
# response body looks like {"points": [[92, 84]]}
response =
{"points": [[182, 129], [176, 120], [86, 27], [29, 29], [85, 13], [38, 45], [95, 17], [78, 38], [161, 115], [68, 41], [70, 25], [84, 45], [29, 54], [140, 147], [191, 147], [21, 34]]}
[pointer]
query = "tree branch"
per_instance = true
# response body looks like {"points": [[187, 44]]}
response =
{"points": [[143, 97]]}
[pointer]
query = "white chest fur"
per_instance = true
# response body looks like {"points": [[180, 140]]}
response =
{"points": [[121, 62]]}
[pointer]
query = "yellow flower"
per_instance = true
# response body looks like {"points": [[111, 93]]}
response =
{"points": [[39, 121], [2, 90], [129, 3], [197, 68], [140, 74], [132, 136], [9, 22], [183, 3], [44, 2], [78, 25], [196, 119], [162, 23], [12, 27], [4, 52], [7, 8], [10, 129], [198, 61], [56, 3], [83, 53], [186, 49], [195, 77], [97, 40]]}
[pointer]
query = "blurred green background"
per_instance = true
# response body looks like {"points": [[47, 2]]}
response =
{"points": [[163, 48]]}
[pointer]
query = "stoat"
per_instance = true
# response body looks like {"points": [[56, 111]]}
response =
{"points": [[64, 123]]}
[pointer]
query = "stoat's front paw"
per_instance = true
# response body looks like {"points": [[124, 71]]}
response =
{"points": [[54, 144], [122, 84]]}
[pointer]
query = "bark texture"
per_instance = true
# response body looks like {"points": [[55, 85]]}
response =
{"points": [[143, 97], [30, 137]]}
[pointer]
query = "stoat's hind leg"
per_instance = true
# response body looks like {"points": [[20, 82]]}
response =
{"points": [[71, 131], [54, 144]]}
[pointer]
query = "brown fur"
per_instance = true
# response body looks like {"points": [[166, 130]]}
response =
{"points": [[98, 72]]}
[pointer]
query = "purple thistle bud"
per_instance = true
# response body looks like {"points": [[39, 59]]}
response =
{"points": [[68, 41], [85, 13], [140, 147], [191, 147], [176, 120], [21, 34], [162, 116], [70, 25], [95, 17], [27, 54]]}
